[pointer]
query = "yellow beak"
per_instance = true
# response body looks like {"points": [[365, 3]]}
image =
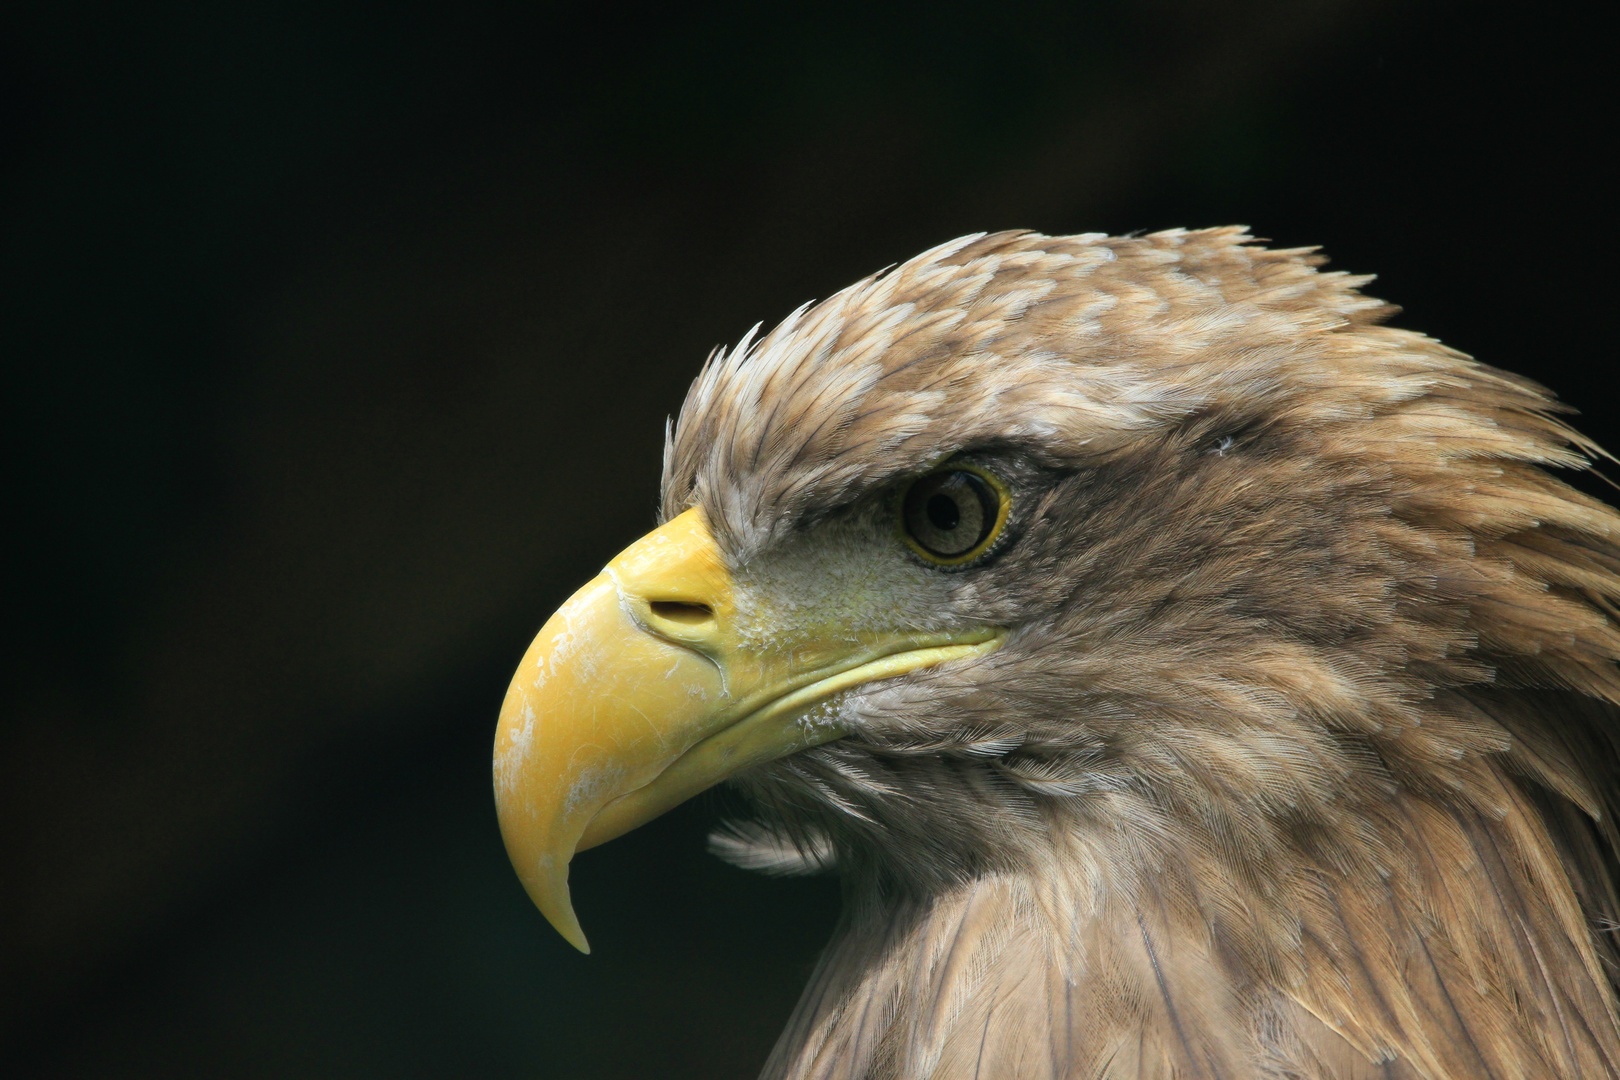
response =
{"points": [[643, 690]]}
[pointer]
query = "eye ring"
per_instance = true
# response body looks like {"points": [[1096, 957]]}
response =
{"points": [[953, 515]]}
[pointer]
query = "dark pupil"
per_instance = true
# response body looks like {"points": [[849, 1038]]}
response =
{"points": [[943, 513]]}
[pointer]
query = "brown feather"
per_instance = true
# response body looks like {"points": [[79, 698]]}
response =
{"points": [[1300, 760]]}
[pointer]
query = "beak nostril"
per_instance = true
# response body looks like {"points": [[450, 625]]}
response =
{"points": [[677, 611]]}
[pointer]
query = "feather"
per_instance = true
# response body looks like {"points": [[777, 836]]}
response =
{"points": [[1300, 759]]}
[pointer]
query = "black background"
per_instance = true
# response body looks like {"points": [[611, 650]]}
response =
{"points": [[338, 339]]}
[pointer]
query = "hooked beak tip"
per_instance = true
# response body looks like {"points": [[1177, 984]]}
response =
{"points": [[551, 895]]}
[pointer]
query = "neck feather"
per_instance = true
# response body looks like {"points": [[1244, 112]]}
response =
{"points": [[1433, 958]]}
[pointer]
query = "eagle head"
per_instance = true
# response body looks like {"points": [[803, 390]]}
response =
{"points": [[1187, 673]]}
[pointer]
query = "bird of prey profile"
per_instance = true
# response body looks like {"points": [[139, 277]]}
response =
{"points": [[1187, 675]]}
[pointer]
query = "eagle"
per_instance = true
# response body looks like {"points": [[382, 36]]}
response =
{"points": [[1187, 674]]}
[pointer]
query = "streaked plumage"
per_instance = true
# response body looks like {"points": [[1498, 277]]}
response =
{"points": [[1299, 760]]}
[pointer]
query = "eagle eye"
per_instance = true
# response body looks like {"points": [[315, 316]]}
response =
{"points": [[952, 516]]}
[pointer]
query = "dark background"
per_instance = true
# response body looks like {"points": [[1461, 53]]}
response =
{"points": [[338, 339]]}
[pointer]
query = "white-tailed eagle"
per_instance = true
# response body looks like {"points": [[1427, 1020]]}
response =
{"points": [[1188, 675]]}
